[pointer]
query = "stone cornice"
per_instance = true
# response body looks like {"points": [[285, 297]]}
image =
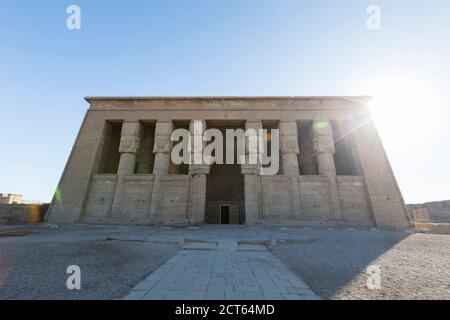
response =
{"points": [[228, 103]]}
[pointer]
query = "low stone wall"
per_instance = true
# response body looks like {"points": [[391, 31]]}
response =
{"points": [[428, 227], [439, 211], [422, 223], [169, 195], [22, 213], [281, 200]]}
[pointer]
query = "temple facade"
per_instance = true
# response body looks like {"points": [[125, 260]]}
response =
{"points": [[332, 169]]}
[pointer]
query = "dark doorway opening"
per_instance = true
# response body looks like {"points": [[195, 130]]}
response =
{"points": [[225, 193], [224, 214]]}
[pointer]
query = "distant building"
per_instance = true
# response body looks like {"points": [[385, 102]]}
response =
{"points": [[9, 198]]}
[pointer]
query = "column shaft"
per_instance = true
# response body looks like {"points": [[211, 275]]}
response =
{"points": [[251, 172], [129, 145], [161, 148], [289, 147], [197, 171], [289, 156], [162, 161], [325, 163], [322, 133], [127, 163]]}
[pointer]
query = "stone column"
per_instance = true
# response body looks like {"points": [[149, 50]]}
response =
{"points": [[197, 172], [161, 148], [289, 147], [289, 156], [252, 180], [323, 144], [129, 146]]}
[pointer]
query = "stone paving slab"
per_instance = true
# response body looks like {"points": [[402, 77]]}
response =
{"points": [[200, 246], [223, 274]]}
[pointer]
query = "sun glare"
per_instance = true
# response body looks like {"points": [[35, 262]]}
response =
{"points": [[402, 108]]}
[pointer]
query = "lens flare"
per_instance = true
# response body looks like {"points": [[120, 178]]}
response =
{"points": [[58, 196], [34, 213], [403, 108]]}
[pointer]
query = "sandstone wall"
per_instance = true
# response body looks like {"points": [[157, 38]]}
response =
{"points": [[370, 198], [22, 213]]}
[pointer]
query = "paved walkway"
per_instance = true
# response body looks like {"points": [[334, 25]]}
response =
{"points": [[228, 271]]}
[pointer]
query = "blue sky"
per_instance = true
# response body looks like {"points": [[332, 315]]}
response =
{"points": [[145, 48]]}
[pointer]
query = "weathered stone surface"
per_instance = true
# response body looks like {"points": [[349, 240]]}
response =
{"points": [[130, 139], [22, 213], [223, 272], [421, 215], [439, 211], [386, 201], [162, 142], [308, 190]]}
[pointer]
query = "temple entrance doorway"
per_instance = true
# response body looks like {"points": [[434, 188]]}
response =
{"points": [[225, 200]]}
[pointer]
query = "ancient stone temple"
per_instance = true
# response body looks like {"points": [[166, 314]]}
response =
{"points": [[333, 170]]}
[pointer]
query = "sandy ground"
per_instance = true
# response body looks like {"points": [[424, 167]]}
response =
{"points": [[34, 266], [332, 262], [412, 266]]}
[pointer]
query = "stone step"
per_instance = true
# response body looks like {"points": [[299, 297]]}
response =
{"points": [[227, 245]]}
